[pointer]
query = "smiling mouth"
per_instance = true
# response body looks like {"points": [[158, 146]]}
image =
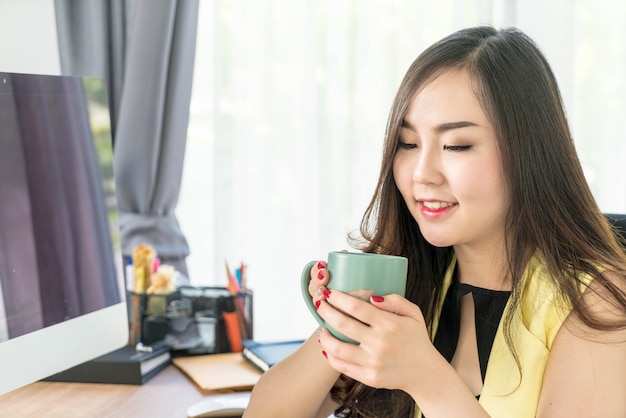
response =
{"points": [[437, 205]]}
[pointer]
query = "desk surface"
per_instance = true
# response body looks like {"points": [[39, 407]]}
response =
{"points": [[167, 395]]}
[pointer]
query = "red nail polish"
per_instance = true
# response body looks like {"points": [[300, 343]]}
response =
{"points": [[378, 299], [326, 293], [324, 353], [320, 274], [317, 304], [320, 265]]}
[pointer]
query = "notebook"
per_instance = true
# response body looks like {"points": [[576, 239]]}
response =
{"points": [[264, 355], [219, 372]]}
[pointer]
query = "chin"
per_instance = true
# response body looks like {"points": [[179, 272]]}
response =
{"points": [[440, 242], [440, 245]]}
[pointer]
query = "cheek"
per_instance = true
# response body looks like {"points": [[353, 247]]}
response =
{"points": [[490, 183], [482, 178], [495, 180]]}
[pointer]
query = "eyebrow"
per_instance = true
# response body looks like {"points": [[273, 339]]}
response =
{"points": [[444, 127]]}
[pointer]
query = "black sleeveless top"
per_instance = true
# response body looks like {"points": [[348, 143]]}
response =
{"points": [[488, 308]]}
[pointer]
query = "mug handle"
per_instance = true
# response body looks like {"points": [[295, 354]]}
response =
{"points": [[304, 286]]}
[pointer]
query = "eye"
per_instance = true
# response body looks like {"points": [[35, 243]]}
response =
{"points": [[456, 148], [406, 146]]}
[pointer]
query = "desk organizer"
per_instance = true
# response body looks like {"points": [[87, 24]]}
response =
{"points": [[196, 320]]}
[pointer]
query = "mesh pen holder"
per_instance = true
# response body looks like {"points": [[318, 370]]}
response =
{"points": [[199, 320]]}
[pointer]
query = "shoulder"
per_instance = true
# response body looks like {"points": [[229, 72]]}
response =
{"points": [[600, 304], [601, 308], [586, 369]]}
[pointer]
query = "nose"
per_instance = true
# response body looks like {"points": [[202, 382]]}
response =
{"points": [[427, 169]]}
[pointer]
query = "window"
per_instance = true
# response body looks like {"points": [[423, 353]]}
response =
{"points": [[289, 111]]}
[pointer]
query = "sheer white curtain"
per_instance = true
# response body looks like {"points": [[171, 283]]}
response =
{"points": [[289, 110]]}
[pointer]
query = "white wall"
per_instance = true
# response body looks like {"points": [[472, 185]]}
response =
{"points": [[28, 38]]}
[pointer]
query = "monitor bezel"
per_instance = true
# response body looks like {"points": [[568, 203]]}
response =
{"points": [[39, 354]]}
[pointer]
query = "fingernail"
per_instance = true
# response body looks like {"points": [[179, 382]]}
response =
{"points": [[326, 293], [320, 274], [317, 304], [324, 353], [320, 265], [378, 299]]}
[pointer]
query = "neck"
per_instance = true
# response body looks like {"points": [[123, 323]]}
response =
{"points": [[486, 268]]}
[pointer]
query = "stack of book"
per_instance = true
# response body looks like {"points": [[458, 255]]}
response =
{"points": [[124, 366]]}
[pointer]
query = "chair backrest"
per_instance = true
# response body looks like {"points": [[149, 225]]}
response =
{"points": [[619, 221]]}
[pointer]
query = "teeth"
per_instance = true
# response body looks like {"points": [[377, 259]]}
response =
{"points": [[437, 205]]}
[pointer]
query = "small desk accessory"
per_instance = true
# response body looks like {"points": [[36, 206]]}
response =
{"points": [[192, 320], [220, 405]]}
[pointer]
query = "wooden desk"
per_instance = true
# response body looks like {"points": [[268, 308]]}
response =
{"points": [[167, 395]]}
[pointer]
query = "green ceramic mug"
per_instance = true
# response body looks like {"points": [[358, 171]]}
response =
{"points": [[361, 275]]}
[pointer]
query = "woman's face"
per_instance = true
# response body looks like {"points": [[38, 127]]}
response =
{"points": [[448, 167]]}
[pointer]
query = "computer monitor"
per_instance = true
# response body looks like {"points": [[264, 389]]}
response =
{"points": [[61, 284]]}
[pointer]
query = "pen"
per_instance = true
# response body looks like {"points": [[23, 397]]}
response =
{"points": [[233, 330], [130, 275], [135, 323], [238, 276]]}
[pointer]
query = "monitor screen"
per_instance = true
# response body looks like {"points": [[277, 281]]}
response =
{"points": [[61, 284]]}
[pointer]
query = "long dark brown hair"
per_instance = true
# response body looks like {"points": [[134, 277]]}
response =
{"points": [[552, 209]]}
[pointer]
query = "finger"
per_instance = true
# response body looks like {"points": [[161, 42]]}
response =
{"points": [[352, 305], [319, 294], [316, 291], [369, 313], [319, 278], [346, 364], [340, 313], [321, 265], [397, 305], [338, 353]]}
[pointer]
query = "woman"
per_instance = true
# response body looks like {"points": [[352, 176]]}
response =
{"points": [[516, 302]]}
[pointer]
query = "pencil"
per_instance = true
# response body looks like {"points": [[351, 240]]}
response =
{"points": [[244, 284], [235, 292]]}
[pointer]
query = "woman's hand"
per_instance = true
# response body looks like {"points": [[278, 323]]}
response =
{"points": [[395, 349]]}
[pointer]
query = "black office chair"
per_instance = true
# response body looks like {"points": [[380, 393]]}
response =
{"points": [[619, 221]]}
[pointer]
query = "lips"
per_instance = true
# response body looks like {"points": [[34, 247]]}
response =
{"points": [[434, 208], [437, 205]]}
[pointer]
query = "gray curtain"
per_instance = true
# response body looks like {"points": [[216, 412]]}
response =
{"points": [[92, 41], [145, 51]]}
